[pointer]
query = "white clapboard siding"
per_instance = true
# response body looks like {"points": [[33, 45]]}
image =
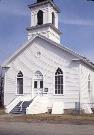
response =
{"points": [[51, 58], [85, 98]]}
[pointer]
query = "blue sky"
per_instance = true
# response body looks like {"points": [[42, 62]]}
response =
{"points": [[76, 21]]}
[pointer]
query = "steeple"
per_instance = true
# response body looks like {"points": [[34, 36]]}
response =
{"points": [[44, 20]]}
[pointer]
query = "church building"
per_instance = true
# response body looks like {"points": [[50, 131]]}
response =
{"points": [[43, 76]]}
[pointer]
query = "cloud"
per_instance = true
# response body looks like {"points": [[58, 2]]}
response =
{"points": [[78, 22]]}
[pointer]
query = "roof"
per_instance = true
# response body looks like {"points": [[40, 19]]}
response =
{"points": [[23, 47], [43, 3]]}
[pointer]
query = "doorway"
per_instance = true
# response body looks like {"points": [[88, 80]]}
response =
{"points": [[38, 83]]}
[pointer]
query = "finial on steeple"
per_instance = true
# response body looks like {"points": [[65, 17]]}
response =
{"points": [[38, 1]]}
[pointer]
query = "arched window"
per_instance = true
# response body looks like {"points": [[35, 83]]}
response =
{"points": [[40, 17], [20, 83], [59, 81], [53, 18], [89, 83]]}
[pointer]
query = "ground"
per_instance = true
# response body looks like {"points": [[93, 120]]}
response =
{"points": [[46, 124], [22, 128]]}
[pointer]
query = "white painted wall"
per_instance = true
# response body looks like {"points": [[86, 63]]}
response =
{"points": [[84, 94], [51, 58]]}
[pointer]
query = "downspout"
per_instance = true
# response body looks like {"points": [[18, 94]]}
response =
{"points": [[80, 88]]}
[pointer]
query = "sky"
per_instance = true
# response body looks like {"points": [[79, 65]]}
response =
{"points": [[76, 22]]}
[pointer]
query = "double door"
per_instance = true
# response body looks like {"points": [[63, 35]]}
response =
{"points": [[38, 87]]}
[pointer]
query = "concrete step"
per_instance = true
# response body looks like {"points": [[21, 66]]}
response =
{"points": [[58, 108], [20, 108]]}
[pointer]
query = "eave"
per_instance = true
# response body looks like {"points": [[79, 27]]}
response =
{"points": [[43, 3]]}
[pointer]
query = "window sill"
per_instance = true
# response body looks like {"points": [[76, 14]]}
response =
{"points": [[58, 94], [19, 94]]}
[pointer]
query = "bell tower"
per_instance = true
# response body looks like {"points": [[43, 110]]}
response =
{"points": [[44, 20]]}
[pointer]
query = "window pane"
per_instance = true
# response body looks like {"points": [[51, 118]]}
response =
{"points": [[56, 82], [55, 91], [56, 78], [41, 84], [61, 79], [20, 85], [55, 87], [35, 84], [61, 91], [59, 87]]}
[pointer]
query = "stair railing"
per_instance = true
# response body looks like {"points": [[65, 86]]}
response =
{"points": [[21, 106], [12, 104]]}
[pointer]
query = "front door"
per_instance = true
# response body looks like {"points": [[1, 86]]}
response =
{"points": [[38, 87], [38, 83]]}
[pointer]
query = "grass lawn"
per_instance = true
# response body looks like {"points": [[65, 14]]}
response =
{"points": [[47, 118], [82, 119]]}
